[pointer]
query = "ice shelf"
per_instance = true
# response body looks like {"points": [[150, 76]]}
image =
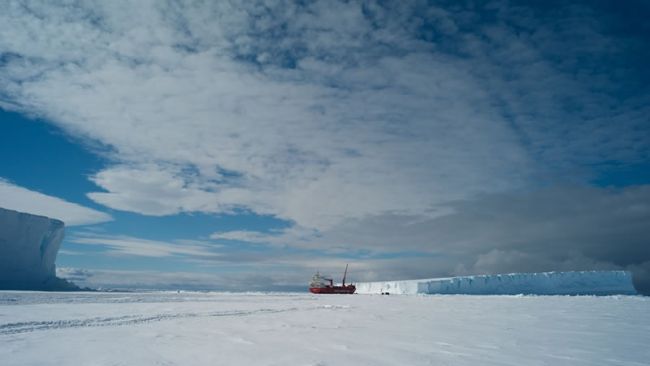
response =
{"points": [[28, 248], [545, 283]]}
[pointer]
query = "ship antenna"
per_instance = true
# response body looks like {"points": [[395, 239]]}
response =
{"points": [[345, 274]]}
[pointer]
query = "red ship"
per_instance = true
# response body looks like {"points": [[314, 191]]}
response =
{"points": [[322, 285]]}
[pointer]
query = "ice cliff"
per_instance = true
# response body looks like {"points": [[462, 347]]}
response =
{"points": [[28, 248], [546, 283]]}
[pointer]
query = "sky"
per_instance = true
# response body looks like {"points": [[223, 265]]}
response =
{"points": [[246, 145]]}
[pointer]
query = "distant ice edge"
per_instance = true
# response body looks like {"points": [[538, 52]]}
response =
{"points": [[28, 248], [544, 283]]}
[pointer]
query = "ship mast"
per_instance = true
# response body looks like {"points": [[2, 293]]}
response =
{"points": [[345, 274]]}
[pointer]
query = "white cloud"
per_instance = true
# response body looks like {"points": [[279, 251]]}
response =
{"points": [[245, 236], [17, 198], [151, 190], [197, 129], [131, 246]]}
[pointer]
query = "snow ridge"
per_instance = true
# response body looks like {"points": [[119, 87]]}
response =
{"points": [[545, 283]]}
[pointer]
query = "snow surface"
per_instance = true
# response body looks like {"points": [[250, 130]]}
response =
{"points": [[546, 283], [304, 329], [28, 248]]}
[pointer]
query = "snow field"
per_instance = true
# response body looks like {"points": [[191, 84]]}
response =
{"points": [[303, 329]]}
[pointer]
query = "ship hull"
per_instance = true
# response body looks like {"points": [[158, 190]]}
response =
{"points": [[333, 290]]}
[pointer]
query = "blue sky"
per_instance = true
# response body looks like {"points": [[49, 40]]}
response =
{"points": [[247, 145]]}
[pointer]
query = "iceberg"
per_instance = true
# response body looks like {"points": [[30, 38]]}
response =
{"points": [[545, 283], [28, 248]]}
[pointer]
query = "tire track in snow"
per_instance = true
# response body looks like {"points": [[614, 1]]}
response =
{"points": [[27, 327]]}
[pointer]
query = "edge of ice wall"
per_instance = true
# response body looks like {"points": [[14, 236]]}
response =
{"points": [[544, 283], [28, 248]]}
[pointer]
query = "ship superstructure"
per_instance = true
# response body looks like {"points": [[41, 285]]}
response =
{"points": [[323, 285]]}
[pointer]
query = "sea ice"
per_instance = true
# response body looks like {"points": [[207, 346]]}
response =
{"points": [[303, 329]]}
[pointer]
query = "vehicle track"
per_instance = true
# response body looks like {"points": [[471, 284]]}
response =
{"points": [[27, 327]]}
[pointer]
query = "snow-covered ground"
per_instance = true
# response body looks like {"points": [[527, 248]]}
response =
{"points": [[304, 329]]}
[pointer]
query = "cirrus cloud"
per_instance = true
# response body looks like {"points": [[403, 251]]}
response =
{"points": [[21, 199]]}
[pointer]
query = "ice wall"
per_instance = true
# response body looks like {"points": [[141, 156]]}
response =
{"points": [[28, 248], [546, 283]]}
